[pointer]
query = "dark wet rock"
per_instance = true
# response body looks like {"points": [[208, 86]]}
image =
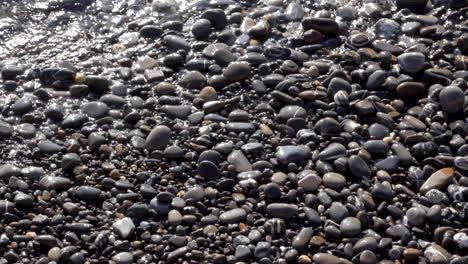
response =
{"points": [[193, 80], [326, 26], [410, 91], [88, 193], [233, 216], [413, 5], [55, 183], [282, 210], [95, 109], [358, 167], [452, 99], [177, 43], [124, 227], [50, 75], [97, 84], [332, 152], [437, 180], [201, 29], [292, 154], [209, 170], [9, 72], [158, 138], [412, 62], [350, 227], [237, 71], [49, 147]]}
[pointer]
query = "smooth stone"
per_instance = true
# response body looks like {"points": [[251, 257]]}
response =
{"points": [[49, 147], [195, 193], [193, 80], [334, 181], [9, 170], [378, 131], [282, 210], [388, 164], [309, 183], [291, 111], [174, 217], [55, 183], [402, 153], [201, 28], [177, 111], [240, 162], [9, 72], [437, 180], [124, 227], [332, 152], [365, 243], [6, 130], [337, 212], [88, 193], [302, 239], [326, 26], [388, 28], [376, 80], [97, 84], [239, 127], [416, 216], [262, 250], [383, 191], [176, 42], [158, 138], [233, 216], [237, 71], [123, 258], [209, 170], [165, 88], [412, 62], [223, 56], [410, 91], [292, 154], [6, 206], [452, 99], [358, 167], [377, 147], [325, 258], [350, 227], [436, 254], [22, 106]]}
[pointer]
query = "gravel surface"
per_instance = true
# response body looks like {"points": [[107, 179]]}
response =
{"points": [[226, 131]]}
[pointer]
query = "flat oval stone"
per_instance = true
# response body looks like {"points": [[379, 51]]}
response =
{"points": [[55, 183], [233, 216], [95, 109], [193, 80], [412, 62], [332, 152], [325, 258], [237, 71], [158, 138], [292, 154], [240, 162], [334, 181], [326, 26], [282, 210], [310, 182], [350, 227], [124, 227], [410, 91], [209, 170], [437, 180], [302, 239], [452, 99], [88, 193], [358, 167]]}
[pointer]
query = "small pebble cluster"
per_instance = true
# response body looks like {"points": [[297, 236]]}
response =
{"points": [[223, 131]]}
